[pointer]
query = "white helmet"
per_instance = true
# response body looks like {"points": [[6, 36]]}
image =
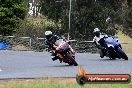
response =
{"points": [[96, 30], [48, 33]]}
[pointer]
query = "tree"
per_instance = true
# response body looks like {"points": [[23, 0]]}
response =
{"points": [[88, 14], [11, 13], [52, 9]]}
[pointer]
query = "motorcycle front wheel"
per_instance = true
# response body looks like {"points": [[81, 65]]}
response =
{"points": [[122, 54], [72, 60]]}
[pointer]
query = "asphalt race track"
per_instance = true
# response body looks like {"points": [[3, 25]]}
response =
{"points": [[29, 64]]}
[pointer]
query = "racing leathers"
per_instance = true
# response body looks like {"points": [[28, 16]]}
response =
{"points": [[99, 42], [50, 43]]}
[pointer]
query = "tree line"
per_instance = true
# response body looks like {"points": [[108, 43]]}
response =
{"points": [[85, 16], [11, 13], [88, 14]]}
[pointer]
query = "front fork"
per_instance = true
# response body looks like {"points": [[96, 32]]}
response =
{"points": [[73, 52], [114, 52]]}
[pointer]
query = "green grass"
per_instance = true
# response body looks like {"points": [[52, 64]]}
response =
{"points": [[123, 39], [127, 48], [57, 84]]}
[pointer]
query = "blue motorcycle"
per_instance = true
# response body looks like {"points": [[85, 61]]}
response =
{"points": [[113, 49]]}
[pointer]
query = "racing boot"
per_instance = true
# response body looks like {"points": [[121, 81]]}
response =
{"points": [[54, 58], [52, 53], [101, 54], [60, 60]]}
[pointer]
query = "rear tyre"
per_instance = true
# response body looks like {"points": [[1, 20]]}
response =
{"points": [[70, 64], [112, 58], [123, 55], [72, 60]]}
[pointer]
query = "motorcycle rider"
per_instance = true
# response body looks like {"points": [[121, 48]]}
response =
{"points": [[99, 41], [50, 41]]}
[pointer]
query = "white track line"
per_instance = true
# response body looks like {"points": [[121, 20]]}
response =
{"points": [[0, 69]]}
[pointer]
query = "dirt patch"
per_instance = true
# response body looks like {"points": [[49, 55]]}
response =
{"points": [[125, 39], [58, 80], [21, 47]]}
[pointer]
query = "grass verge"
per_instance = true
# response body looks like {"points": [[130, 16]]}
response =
{"points": [[56, 83], [125, 39]]}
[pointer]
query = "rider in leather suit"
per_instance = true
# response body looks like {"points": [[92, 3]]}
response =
{"points": [[50, 40]]}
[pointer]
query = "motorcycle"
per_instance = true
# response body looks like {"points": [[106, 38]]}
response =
{"points": [[113, 48], [65, 52]]}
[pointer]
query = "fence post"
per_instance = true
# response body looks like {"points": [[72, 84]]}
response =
{"points": [[30, 42]]}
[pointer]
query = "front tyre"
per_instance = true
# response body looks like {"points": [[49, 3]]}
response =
{"points": [[122, 54], [72, 60], [70, 64]]}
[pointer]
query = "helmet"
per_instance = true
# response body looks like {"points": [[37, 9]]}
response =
{"points": [[48, 35], [96, 32]]}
